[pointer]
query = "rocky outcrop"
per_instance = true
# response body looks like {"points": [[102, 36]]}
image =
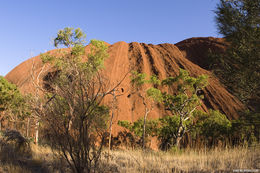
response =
{"points": [[163, 60]]}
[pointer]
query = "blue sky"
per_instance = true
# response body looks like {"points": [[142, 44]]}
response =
{"points": [[27, 27]]}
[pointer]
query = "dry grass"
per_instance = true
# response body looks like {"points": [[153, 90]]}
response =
{"points": [[186, 161], [42, 160], [224, 160], [49, 159]]}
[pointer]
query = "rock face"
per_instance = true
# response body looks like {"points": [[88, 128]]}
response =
{"points": [[163, 60], [197, 49]]}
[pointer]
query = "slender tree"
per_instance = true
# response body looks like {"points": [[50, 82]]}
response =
{"points": [[138, 80], [181, 103], [74, 121]]}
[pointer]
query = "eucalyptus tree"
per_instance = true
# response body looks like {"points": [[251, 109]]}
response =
{"points": [[180, 97], [74, 119], [138, 81]]}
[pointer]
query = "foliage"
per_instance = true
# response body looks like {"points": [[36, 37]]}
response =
{"points": [[73, 119], [245, 130], [215, 127], [167, 131], [138, 81], [180, 104], [155, 94], [137, 128], [12, 102], [9, 94], [212, 127], [183, 102], [69, 37], [238, 21]]}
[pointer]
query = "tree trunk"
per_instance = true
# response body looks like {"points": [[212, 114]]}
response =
{"points": [[144, 125], [28, 128], [37, 132], [111, 123], [110, 130], [14, 125], [181, 131], [8, 124], [178, 139]]}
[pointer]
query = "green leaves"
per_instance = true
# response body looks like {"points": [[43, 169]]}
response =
{"points": [[169, 81], [74, 80], [216, 125], [238, 21], [138, 79], [78, 50], [9, 94], [46, 58], [12, 100], [201, 81], [155, 94], [185, 82], [154, 80], [97, 56], [180, 103], [211, 127], [185, 99], [246, 128], [125, 124], [69, 37], [69, 62], [137, 127]]}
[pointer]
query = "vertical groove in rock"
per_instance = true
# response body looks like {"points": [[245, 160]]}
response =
{"points": [[163, 60]]}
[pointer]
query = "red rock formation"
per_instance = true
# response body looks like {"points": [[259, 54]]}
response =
{"points": [[198, 49], [163, 60]]}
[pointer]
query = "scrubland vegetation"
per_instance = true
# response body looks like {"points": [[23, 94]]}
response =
{"points": [[37, 158], [70, 120]]}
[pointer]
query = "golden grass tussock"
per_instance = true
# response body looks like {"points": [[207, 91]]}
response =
{"points": [[229, 160], [18, 155], [44, 159]]}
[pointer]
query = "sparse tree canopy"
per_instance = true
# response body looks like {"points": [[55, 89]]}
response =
{"points": [[138, 80], [239, 22], [181, 103], [72, 116], [69, 37]]}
